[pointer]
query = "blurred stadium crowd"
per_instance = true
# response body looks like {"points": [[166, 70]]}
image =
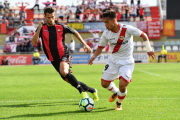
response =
{"points": [[85, 11]]}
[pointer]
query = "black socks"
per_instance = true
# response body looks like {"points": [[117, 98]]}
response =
{"points": [[73, 81], [87, 88]]}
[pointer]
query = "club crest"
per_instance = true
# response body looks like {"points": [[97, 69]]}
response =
{"points": [[59, 30], [121, 37]]}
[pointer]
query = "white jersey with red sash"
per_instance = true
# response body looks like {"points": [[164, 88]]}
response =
{"points": [[121, 63], [121, 42]]}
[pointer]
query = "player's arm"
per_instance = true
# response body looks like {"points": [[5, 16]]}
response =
{"points": [[150, 51], [98, 52], [36, 36], [85, 46], [136, 32]]}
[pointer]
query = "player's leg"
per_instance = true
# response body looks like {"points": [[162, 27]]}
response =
{"points": [[110, 73], [125, 73], [111, 87], [121, 93], [67, 73], [64, 71]]}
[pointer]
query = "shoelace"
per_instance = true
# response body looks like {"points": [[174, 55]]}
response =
{"points": [[114, 95]]}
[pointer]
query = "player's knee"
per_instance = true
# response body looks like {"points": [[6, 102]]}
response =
{"points": [[64, 72], [122, 89]]}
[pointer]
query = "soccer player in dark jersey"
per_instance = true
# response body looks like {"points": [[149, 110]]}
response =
{"points": [[53, 39]]}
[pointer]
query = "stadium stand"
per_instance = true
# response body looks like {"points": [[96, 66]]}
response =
{"points": [[90, 12]]}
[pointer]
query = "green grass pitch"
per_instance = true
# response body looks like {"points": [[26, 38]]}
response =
{"points": [[38, 93]]}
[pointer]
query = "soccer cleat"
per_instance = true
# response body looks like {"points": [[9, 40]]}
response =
{"points": [[84, 95], [118, 106], [112, 97], [95, 96]]}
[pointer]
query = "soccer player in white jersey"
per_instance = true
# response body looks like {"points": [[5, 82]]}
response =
{"points": [[121, 63]]}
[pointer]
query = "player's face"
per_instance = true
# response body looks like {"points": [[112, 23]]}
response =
{"points": [[109, 23], [50, 18]]}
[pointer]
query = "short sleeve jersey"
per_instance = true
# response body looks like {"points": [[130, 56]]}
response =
{"points": [[125, 49], [53, 40]]}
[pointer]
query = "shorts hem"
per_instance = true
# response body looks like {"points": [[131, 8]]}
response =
{"points": [[125, 79], [107, 80]]}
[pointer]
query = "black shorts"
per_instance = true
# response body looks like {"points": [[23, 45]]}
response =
{"points": [[65, 58]]}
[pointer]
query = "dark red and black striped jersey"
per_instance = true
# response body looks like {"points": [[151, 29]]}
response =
{"points": [[53, 40]]}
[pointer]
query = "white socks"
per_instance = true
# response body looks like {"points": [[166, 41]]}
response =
{"points": [[112, 87], [122, 95]]}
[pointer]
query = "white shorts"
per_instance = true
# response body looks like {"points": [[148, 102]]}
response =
{"points": [[114, 71]]}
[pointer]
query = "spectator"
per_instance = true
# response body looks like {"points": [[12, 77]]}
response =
{"points": [[124, 1], [54, 4], [7, 48], [72, 45], [4, 61], [31, 22], [32, 33], [78, 11], [141, 12], [22, 47], [163, 54], [1, 12], [16, 33], [1, 6], [39, 45], [23, 22], [95, 45], [27, 45], [6, 15], [18, 49], [16, 20], [6, 4], [11, 19], [134, 13], [62, 13], [25, 32], [118, 15], [132, 2], [5, 21], [47, 4], [127, 13], [36, 4], [71, 17], [11, 38], [17, 38], [137, 11], [22, 15], [138, 2], [95, 35], [89, 44], [36, 57]]}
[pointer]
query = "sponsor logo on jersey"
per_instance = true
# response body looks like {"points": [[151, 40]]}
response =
{"points": [[121, 37], [100, 41], [112, 38], [59, 30], [46, 30]]}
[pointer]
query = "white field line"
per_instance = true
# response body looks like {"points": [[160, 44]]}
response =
{"points": [[149, 73], [31, 101]]}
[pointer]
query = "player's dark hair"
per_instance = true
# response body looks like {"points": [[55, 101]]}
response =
{"points": [[49, 10], [109, 13]]}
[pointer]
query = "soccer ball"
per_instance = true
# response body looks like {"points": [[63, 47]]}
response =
{"points": [[86, 104]]}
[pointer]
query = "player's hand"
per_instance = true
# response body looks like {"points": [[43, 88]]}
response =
{"points": [[41, 23], [90, 62], [151, 54], [86, 47]]}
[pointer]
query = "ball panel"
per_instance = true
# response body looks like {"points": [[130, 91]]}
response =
{"points": [[86, 104]]}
